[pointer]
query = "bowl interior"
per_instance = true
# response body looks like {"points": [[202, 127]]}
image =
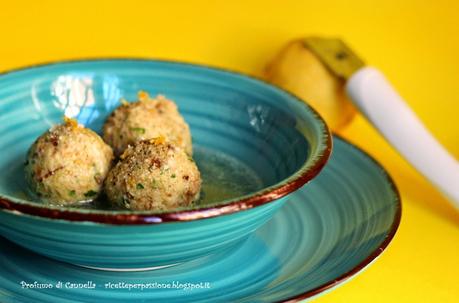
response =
{"points": [[248, 137]]}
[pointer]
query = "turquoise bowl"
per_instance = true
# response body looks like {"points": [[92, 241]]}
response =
{"points": [[262, 144]]}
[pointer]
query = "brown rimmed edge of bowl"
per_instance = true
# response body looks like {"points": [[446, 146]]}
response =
{"points": [[376, 253], [183, 215]]}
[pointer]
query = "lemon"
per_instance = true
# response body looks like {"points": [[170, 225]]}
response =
{"points": [[299, 71]]}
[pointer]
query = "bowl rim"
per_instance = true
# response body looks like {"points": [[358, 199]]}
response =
{"points": [[266, 195]]}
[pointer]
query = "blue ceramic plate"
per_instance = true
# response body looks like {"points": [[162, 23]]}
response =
{"points": [[328, 232]]}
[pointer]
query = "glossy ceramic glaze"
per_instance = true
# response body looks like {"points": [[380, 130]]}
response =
{"points": [[281, 140], [328, 232]]}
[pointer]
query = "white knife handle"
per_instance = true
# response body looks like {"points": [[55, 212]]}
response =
{"points": [[385, 109]]}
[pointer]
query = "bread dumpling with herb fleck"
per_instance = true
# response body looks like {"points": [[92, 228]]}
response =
{"points": [[153, 175], [67, 164], [145, 119]]}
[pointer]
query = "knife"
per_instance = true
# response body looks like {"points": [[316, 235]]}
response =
{"points": [[386, 110]]}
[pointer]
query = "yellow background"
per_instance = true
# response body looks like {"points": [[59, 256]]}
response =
{"points": [[415, 43]]}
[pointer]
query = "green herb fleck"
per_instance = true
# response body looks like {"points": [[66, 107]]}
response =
{"points": [[154, 184], [72, 193], [90, 193], [140, 186], [138, 130], [190, 158], [173, 176]]}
